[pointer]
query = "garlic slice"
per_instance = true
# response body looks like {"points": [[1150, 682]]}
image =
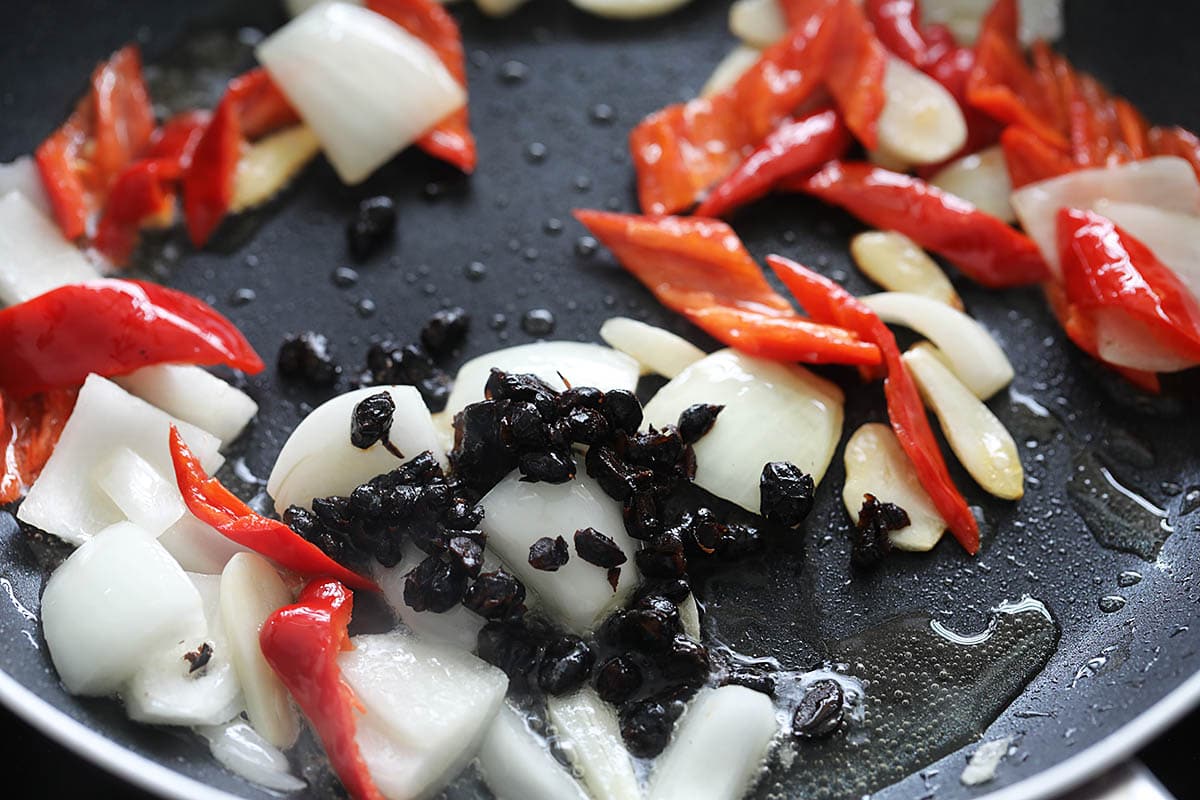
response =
{"points": [[982, 180], [921, 122], [659, 351], [978, 361], [730, 68], [983, 445], [499, 8], [589, 726], [877, 465], [758, 23], [898, 264], [629, 9], [268, 165]]}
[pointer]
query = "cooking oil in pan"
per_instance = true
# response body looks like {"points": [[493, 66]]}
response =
{"points": [[926, 692], [1118, 516]]}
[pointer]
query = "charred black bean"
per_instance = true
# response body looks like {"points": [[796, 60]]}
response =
{"points": [[869, 539], [373, 225], [522, 427], [697, 420], [641, 513], [686, 662], [466, 554], [623, 410], [646, 725], [565, 665], [618, 679], [372, 420], [595, 548], [434, 585], [308, 357], [662, 557], [820, 712], [525, 387], [786, 493], [495, 595], [549, 554], [548, 466], [445, 331]]}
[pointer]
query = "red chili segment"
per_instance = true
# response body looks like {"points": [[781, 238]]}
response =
{"points": [[142, 192], [215, 505], [1082, 331], [29, 429], [854, 75], [209, 181], [830, 303], [1030, 158], [301, 642], [259, 104], [982, 246], [111, 327]]}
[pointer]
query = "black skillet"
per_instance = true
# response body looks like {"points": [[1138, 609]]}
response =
{"points": [[576, 84]]}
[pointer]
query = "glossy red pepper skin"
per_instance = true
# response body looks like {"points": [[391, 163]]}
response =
{"points": [[111, 327], [1082, 331], [259, 104], [698, 268], [301, 642], [897, 23], [29, 429], [1105, 268], [682, 150], [830, 303], [176, 139], [1176, 142], [854, 75], [983, 247], [213, 504], [208, 183], [793, 149], [450, 140], [1030, 158], [143, 191]]}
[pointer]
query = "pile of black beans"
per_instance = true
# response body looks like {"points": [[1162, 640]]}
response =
{"points": [[416, 365]]}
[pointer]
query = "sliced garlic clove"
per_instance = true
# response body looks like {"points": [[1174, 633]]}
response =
{"points": [[921, 122], [629, 9], [730, 68], [758, 23], [978, 361], [659, 351], [876, 465], [983, 445], [499, 8], [269, 164], [517, 765], [589, 727], [982, 180], [898, 264]]}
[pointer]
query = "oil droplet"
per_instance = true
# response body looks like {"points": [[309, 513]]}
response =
{"points": [[582, 183], [586, 246], [498, 322], [242, 297], [531, 254], [513, 72], [475, 271], [553, 226], [538, 322], [366, 308], [603, 114], [1119, 517], [480, 58], [344, 277], [535, 153], [1129, 578], [432, 191], [1111, 603]]}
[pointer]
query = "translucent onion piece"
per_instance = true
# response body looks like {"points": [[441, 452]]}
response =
{"points": [[773, 412], [499, 8], [877, 465], [983, 445], [719, 747], [269, 164], [1038, 19], [251, 590], [197, 546], [34, 256], [982, 180], [1174, 237], [1128, 342], [117, 599], [65, 500], [587, 726], [193, 395], [730, 68], [319, 460], [758, 23], [898, 264], [367, 87], [629, 9], [978, 361], [659, 351], [921, 122], [21, 175], [238, 747], [517, 765], [145, 497], [1165, 182]]}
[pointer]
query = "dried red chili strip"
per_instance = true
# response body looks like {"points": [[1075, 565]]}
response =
{"points": [[209, 181], [1176, 141], [854, 75], [259, 104], [29, 429], [1030, 158]]}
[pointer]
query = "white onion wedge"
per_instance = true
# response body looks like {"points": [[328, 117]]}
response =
{"points": [[21, 175], [982, 180], [1173, 237], [689, 615], [517, 765], [921, 122], [297, 7], [659, 351], [270, 164], [114, 601], [459, 626], [580, 363], [367, 87], [758, 23], [427, 705], [318, 459], [518, 513], [34, 256], [1125, 341], [499, 8], [166, 691], [1164, 182], [241, 750], [730, 68], [978, 361], [587, 727], [1038, 19], [877, 465], [731, 456], [145, 497], [719, 747], [193, 395], [65, 499], [251, 590], [898, 264], [983, 445], [629, 9], [199, 547]]}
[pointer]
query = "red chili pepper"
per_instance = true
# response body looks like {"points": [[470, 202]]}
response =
{"points": [[259, 104], [1030, 158], [699, 268], [1135, 131], [830, 303], [141, 192], [29, 429], [215, 505], [1106, 269], [177, 138], [854, 75], [1176, 142], [451, 139], [56, 160], [982, 246], [1081, 330], [208, 182], [301, 642], [897, 23], [1045, 76], [792, 149], [682, 150], [111, 327]]}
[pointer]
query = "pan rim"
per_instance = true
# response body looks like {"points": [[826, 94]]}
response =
{"points": [[154, 777]]}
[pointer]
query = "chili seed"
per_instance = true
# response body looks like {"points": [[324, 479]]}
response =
{"points": [[565, 665], [786, 493], [548, 554], [697, 420], [373, 225], [618, 679], [820, 711]]}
